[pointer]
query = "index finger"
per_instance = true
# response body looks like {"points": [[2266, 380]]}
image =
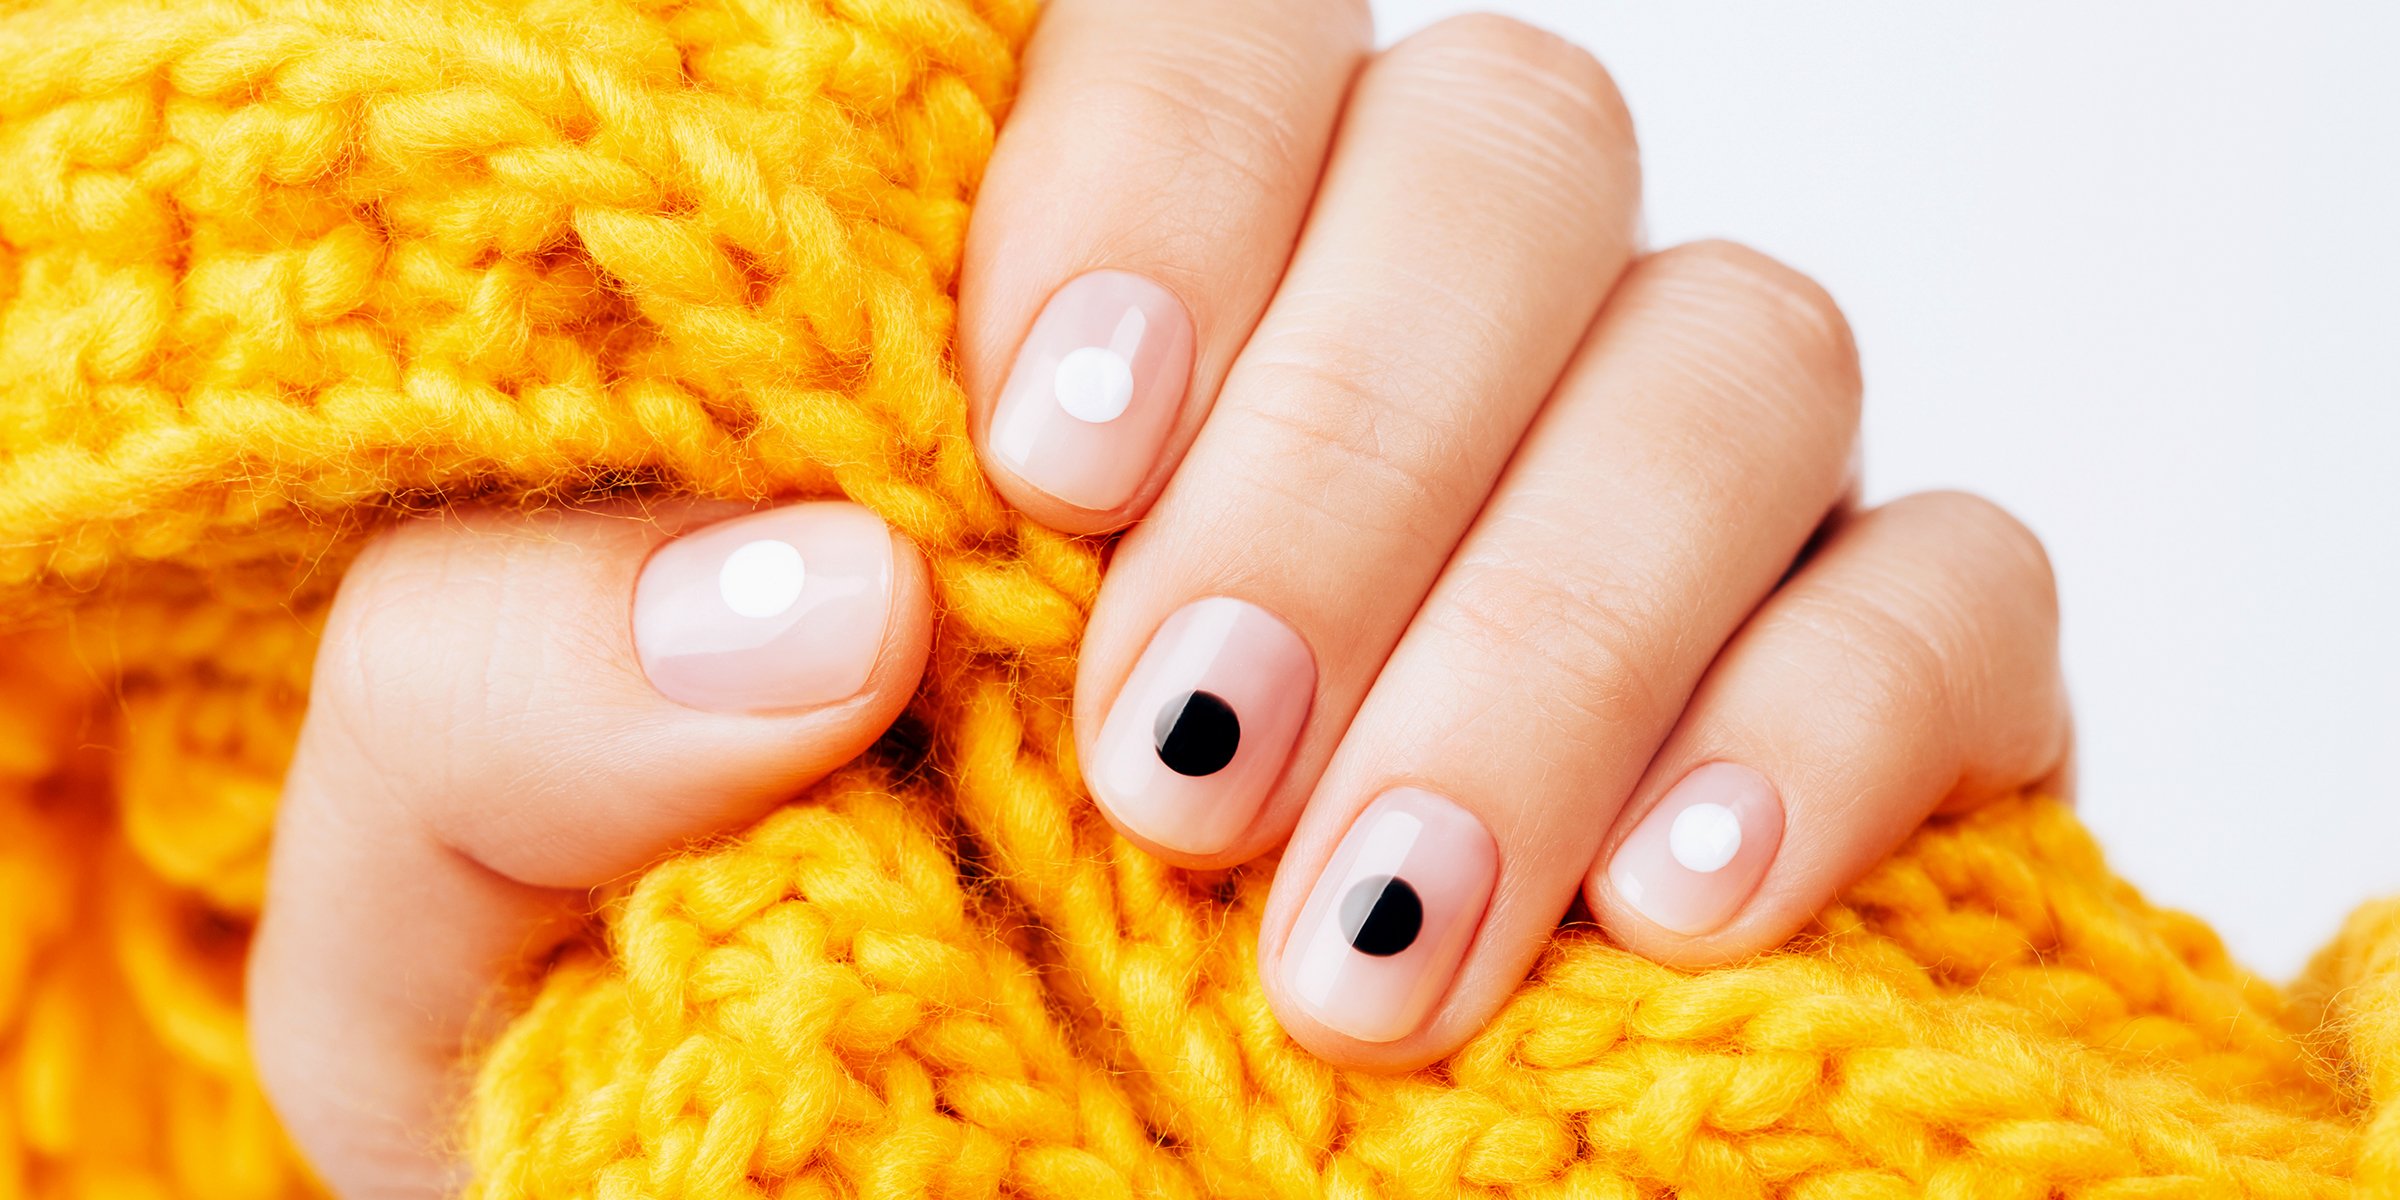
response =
{"points": [[1136, 216]]}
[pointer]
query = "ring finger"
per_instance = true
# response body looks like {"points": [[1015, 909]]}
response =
{"points": [[1702, 433]]}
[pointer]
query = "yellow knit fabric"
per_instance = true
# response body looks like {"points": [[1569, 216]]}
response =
{"points": [[276, 272]]}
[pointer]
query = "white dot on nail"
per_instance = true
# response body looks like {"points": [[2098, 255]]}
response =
{"points": [[1705, 837], [1094, 384], [762, 579]]}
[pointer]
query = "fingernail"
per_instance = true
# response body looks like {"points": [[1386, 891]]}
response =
{"points": [[780, 609], [1095, 389], [1204, 725], [1691, 863], [1388, 923]]}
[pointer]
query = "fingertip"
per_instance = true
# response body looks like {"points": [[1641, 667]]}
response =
{"points": [[1687, 884], [780, 610], [1383, 955], [1304, 1023], [1627, 926], [1192, 755], [1343, 1052], [1078, 435], [907, 644], [1049, 511], [1173, 856]]}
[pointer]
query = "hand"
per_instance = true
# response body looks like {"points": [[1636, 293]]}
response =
{"points": [[508, 712], [1481, 558], [1463, 526]]}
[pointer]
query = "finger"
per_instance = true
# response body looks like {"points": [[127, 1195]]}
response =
{"points": [[1134, 220], [1914, 660], [508, 711], [1699, 437], [1479, 204]]}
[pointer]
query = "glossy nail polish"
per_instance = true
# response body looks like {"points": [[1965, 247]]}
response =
{"points": [[1694, 860], [775, 610], [1388, 923], [1095, 390], [1204, 725]]}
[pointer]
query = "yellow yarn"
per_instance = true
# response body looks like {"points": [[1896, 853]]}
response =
{"points": [[275, 272]]}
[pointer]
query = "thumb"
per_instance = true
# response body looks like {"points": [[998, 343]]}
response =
{"points": [[509, 710]]}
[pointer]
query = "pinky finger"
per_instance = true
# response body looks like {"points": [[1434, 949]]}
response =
{"points": [[1912, 663]]}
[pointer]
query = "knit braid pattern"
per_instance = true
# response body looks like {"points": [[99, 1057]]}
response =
{"points": [[276, 273]]}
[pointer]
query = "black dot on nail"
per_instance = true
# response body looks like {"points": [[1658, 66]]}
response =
{"points": [[1381, 915], [1197, 734]]}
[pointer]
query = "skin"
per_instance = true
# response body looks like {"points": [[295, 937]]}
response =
{"points": [[1605, 495]]}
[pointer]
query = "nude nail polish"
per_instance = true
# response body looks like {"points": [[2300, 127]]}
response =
{"points": [[1387, 925], [1695, 859], [1095, 390], [1204, 725], [776, 610]]}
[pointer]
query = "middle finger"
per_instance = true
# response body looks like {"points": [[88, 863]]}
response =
{"points": [[1479, 202]]}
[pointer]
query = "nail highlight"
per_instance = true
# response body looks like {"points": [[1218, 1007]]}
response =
{"points": [[780, 609], [1695, 859], [1095, 390], [1204, 725], [1388, 923]]}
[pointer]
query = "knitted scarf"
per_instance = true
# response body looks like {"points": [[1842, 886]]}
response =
{"points": [[276, 273]]}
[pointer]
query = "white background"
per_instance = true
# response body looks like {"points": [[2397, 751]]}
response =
{"points": [[2132, 270]]}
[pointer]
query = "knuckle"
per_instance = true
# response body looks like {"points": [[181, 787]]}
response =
{"points": [[1896, 642], [1586, 631], [1504, 50], [1782, 315], [420, 659], [1791, 307], [1343, 447], [1890, 664], [1353, 18], [1946, 633], [1993, 537], [1956, 605], [1209, 117], [1521, 93]]}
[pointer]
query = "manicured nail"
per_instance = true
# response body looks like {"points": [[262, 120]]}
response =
{"points": [[1204, 725], [1388, 923], [1691, 863], [1095, 389], [780, 609]]}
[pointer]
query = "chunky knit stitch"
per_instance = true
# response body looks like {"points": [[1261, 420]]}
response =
{"points": [[274, 273]]}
